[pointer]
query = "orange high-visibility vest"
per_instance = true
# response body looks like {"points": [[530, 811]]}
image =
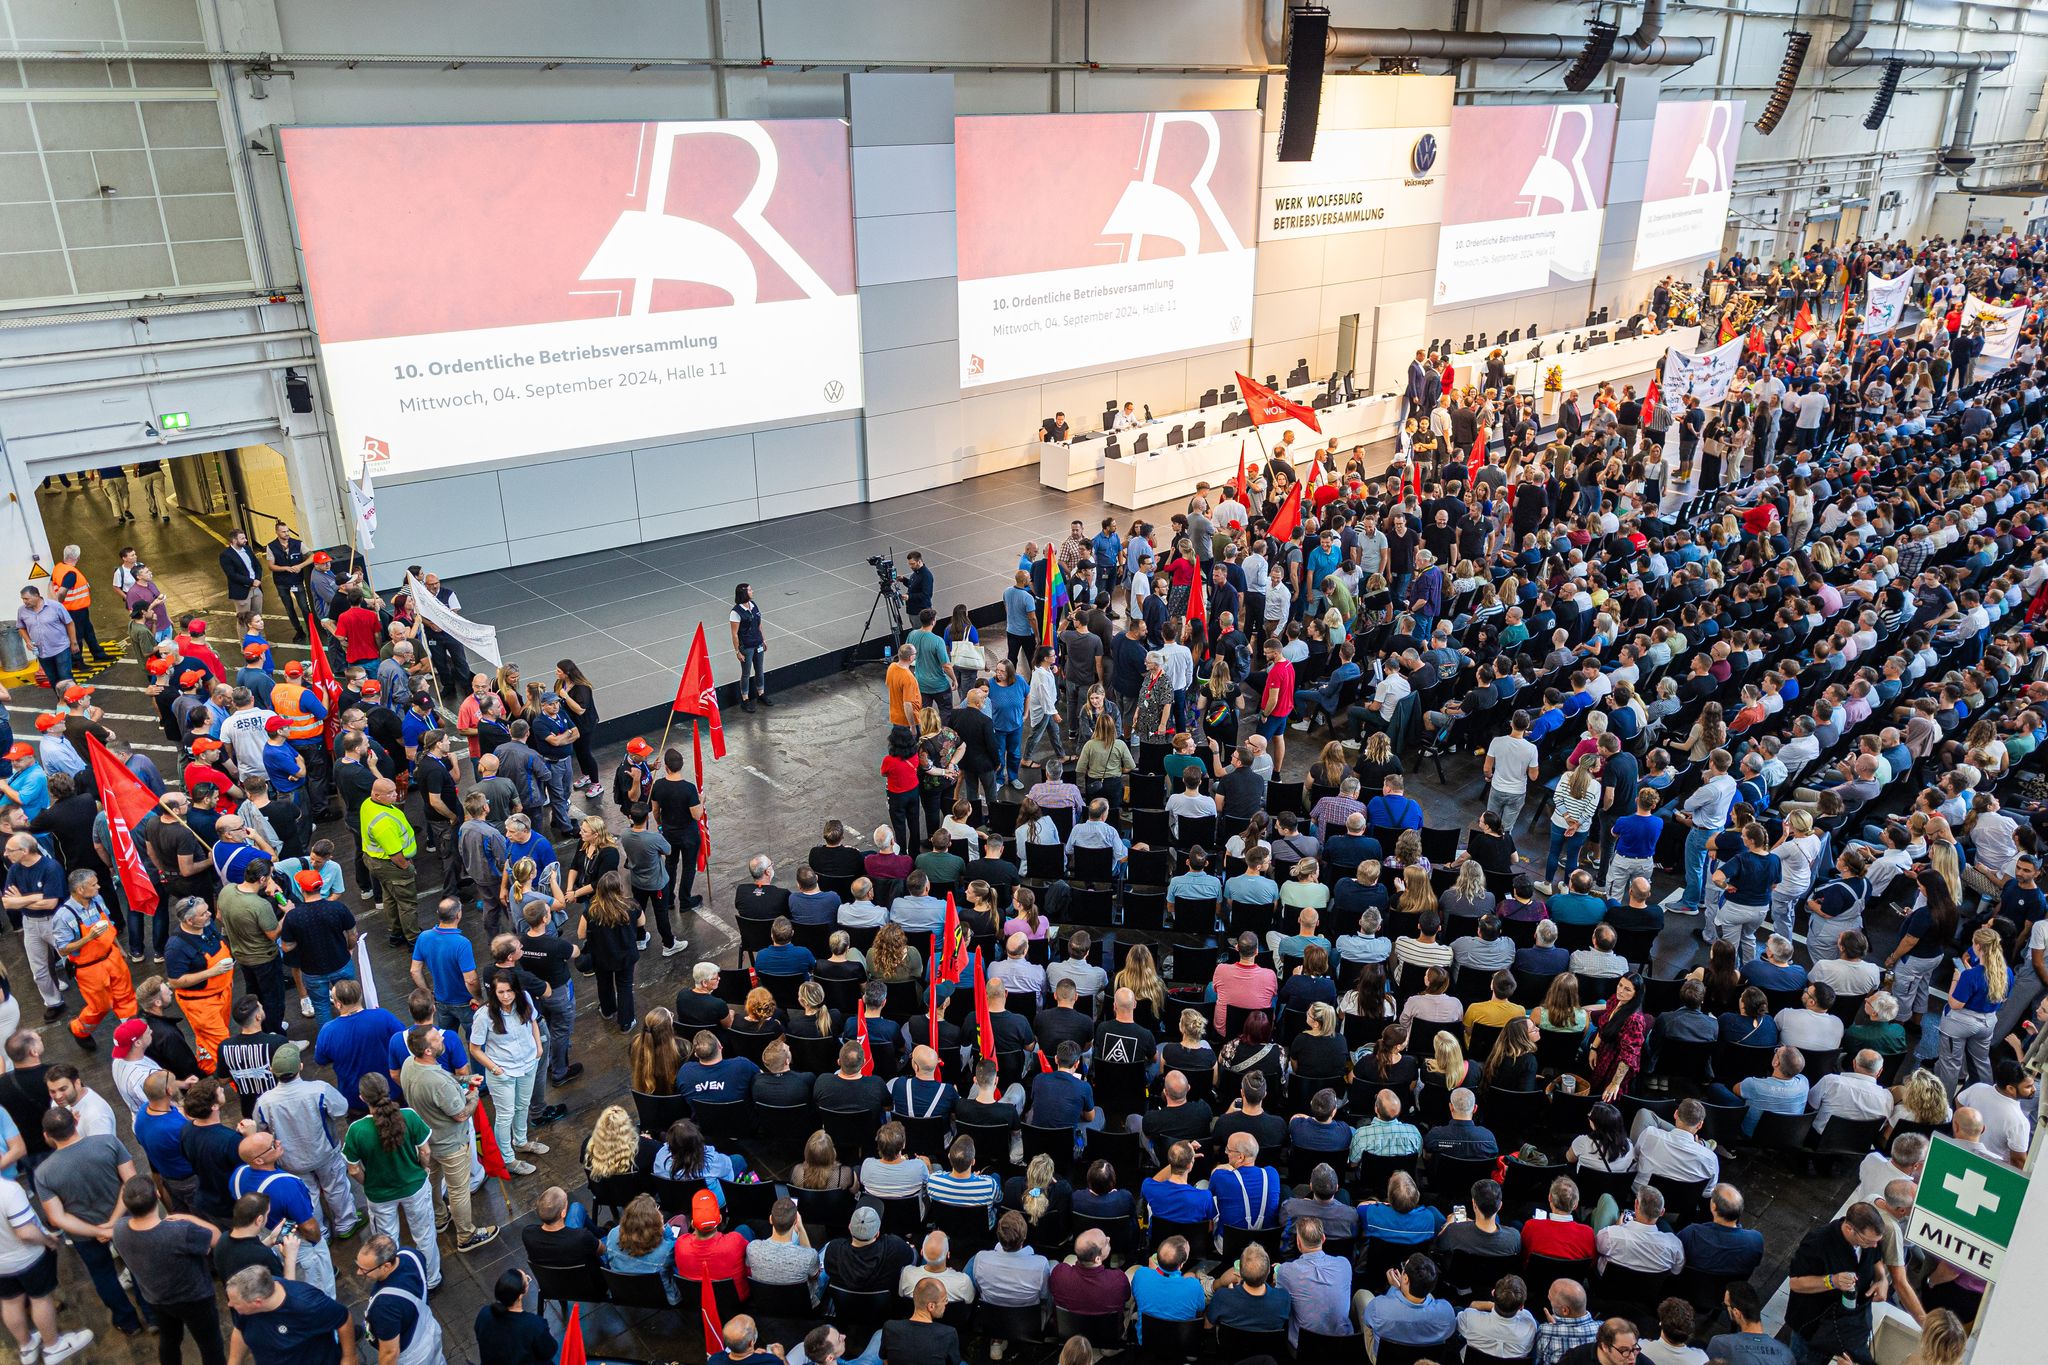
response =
{"points": [[73, 592], [300, 724]]}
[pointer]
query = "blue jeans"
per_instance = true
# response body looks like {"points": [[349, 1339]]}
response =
{"points": [[106, 1282], [318, 985], [57, 667], [1696, 841], [752, 667], [559, 1009], [1009, 750], [1564, 848], [559, 776], [453, 1016]]}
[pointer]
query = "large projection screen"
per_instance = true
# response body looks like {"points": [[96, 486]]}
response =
{"points": [[1092, 239], [1528, 184], [1692, 170], [494, 291]]}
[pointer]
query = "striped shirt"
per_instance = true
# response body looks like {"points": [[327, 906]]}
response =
{"points": [[1569, 809], [967, 1191]]}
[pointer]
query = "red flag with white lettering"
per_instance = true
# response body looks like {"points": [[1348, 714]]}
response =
{"points": [[1266, 405], [697, 694], [867, 1053], [127, 803], [1289, 520]]}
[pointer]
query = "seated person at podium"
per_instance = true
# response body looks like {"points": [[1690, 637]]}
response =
{"points": [[1127, 417], [1053, 428]]}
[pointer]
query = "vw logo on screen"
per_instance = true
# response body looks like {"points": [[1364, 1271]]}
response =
{"points": [[1423, 155]]}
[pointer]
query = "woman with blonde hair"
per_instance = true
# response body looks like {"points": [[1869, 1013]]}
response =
{"points": [[1919, 1098], [1329, 770], [892, 959], [1044, 1197], [1446, 1066], [1140, 976], [1417, 896], [1708, 733], [1573, 806], [613, 1148], [1796, 848], [597, 852], [654, 1056], [1408, 852], [1981, 985], [1468, 897], [1024, 916], [1304, 889], [1376, 762], [1943, 1339], [815, 1018]]}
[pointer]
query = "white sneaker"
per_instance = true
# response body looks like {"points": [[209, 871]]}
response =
{"points": [[305, 1007], [678, 946], [33, 1352], [521, 1168], [67, 1346], [532, 1149]]}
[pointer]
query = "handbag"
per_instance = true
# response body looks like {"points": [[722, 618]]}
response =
{"points": [[967, 654]]}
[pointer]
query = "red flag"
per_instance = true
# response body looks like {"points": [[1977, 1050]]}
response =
{"points": [[1757, 344], [1727, 329], [1242, 484], [487, 1143], [1044, 1062], [1803, 322], [697, 695], [1198, 606], [950, 951], [867, 1053], [1415, 467], [572, 1338], [714, 1327], [984, 1027], [320, 677], [1650, 394], [127, 803], [1289, 521], [1476, 460], [931, 1011], [1265, 406]]}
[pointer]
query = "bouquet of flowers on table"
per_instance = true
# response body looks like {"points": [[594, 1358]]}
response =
{"points": [[1553, 379]]}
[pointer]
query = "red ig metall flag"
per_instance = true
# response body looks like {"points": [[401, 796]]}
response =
{"points": [[1267, 405], [127, 804]]}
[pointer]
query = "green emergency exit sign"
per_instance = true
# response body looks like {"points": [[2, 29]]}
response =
{"points": [[173, 421]]}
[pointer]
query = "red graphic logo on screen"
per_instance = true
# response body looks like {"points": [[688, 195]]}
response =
{"points": [[1040, 193], [376, 451], [410, 231], [975, 364], [1538, 161], [1692, 149]]}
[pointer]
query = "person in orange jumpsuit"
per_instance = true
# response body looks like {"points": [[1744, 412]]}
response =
{"points": [[202, 975], [83, 931]]}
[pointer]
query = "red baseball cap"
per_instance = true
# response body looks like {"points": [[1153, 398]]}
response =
{"points": [[196, 628], [638, 747], [704, 1209], [75, 694], [371, 688], [21, 750], [49, 720], [309, 881], [205, 744], [276, 725], [254, 650], [127, 1031], [322, 557], [294, 669], [158, 664]]}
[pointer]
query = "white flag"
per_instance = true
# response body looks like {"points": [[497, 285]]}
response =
{"points": [[1887, 303], [366, 978], [1706, 375], [2001, 330], [365, 500], [469, 634]]}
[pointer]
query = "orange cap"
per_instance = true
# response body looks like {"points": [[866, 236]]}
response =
{"points": [[638, 747], [49, 720]]}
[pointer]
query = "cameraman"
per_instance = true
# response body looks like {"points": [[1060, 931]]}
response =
{"points": [[917, 584]]}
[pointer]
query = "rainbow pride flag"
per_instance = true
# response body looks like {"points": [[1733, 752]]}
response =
{"points": [[1055, 596]]}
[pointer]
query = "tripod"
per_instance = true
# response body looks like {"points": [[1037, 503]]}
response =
{"points": [[886, 597]]}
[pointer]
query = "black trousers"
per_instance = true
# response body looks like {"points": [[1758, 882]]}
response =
{"points": [[199, 1317], [265, 981], [615, 994], [682, 868]]}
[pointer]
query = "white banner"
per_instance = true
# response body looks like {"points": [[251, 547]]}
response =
{"points": [[469, 634], [2001, 330], [364, 499], [1887, 303], [365, 977], [1706, 375]]}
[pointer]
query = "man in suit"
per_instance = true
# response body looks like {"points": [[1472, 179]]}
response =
{"points": [[1432, 384], [1414, 398], [238, 566], [1570, 420]]}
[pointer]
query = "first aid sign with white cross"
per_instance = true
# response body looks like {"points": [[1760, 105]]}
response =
{"points": [[1966, 1208]]}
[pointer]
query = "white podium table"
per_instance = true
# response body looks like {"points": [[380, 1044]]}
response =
{"points": [[1135, 481]]}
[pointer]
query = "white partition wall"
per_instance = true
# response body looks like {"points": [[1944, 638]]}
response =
{"points": [[903, 233]]}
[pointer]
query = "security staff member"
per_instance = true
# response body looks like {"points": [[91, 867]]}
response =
{"points": [[389, 846], [288, 564], [750, 645], [86, 935], [74, 594]]}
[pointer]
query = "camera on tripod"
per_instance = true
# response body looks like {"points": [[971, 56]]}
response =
{"points": [[885, 568]]}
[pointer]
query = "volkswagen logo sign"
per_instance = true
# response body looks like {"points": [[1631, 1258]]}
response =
{"points": [[834, 391], [1423, 155]]}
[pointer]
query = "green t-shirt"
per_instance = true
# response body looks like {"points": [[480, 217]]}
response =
{"points": [[387, 1175], [930, 663], [246, 918], [1176, 764]]}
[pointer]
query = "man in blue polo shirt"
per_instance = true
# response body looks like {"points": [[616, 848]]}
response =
{"points": [[1162, 1291], [1246, 1194], [712, 1077], [397, 1312], [35, 887], [1391, 809], [355, 1041], [444, 962], [1060, 1098], [286, 1322], [291, 1203], [784, 956], [554, 738]]}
